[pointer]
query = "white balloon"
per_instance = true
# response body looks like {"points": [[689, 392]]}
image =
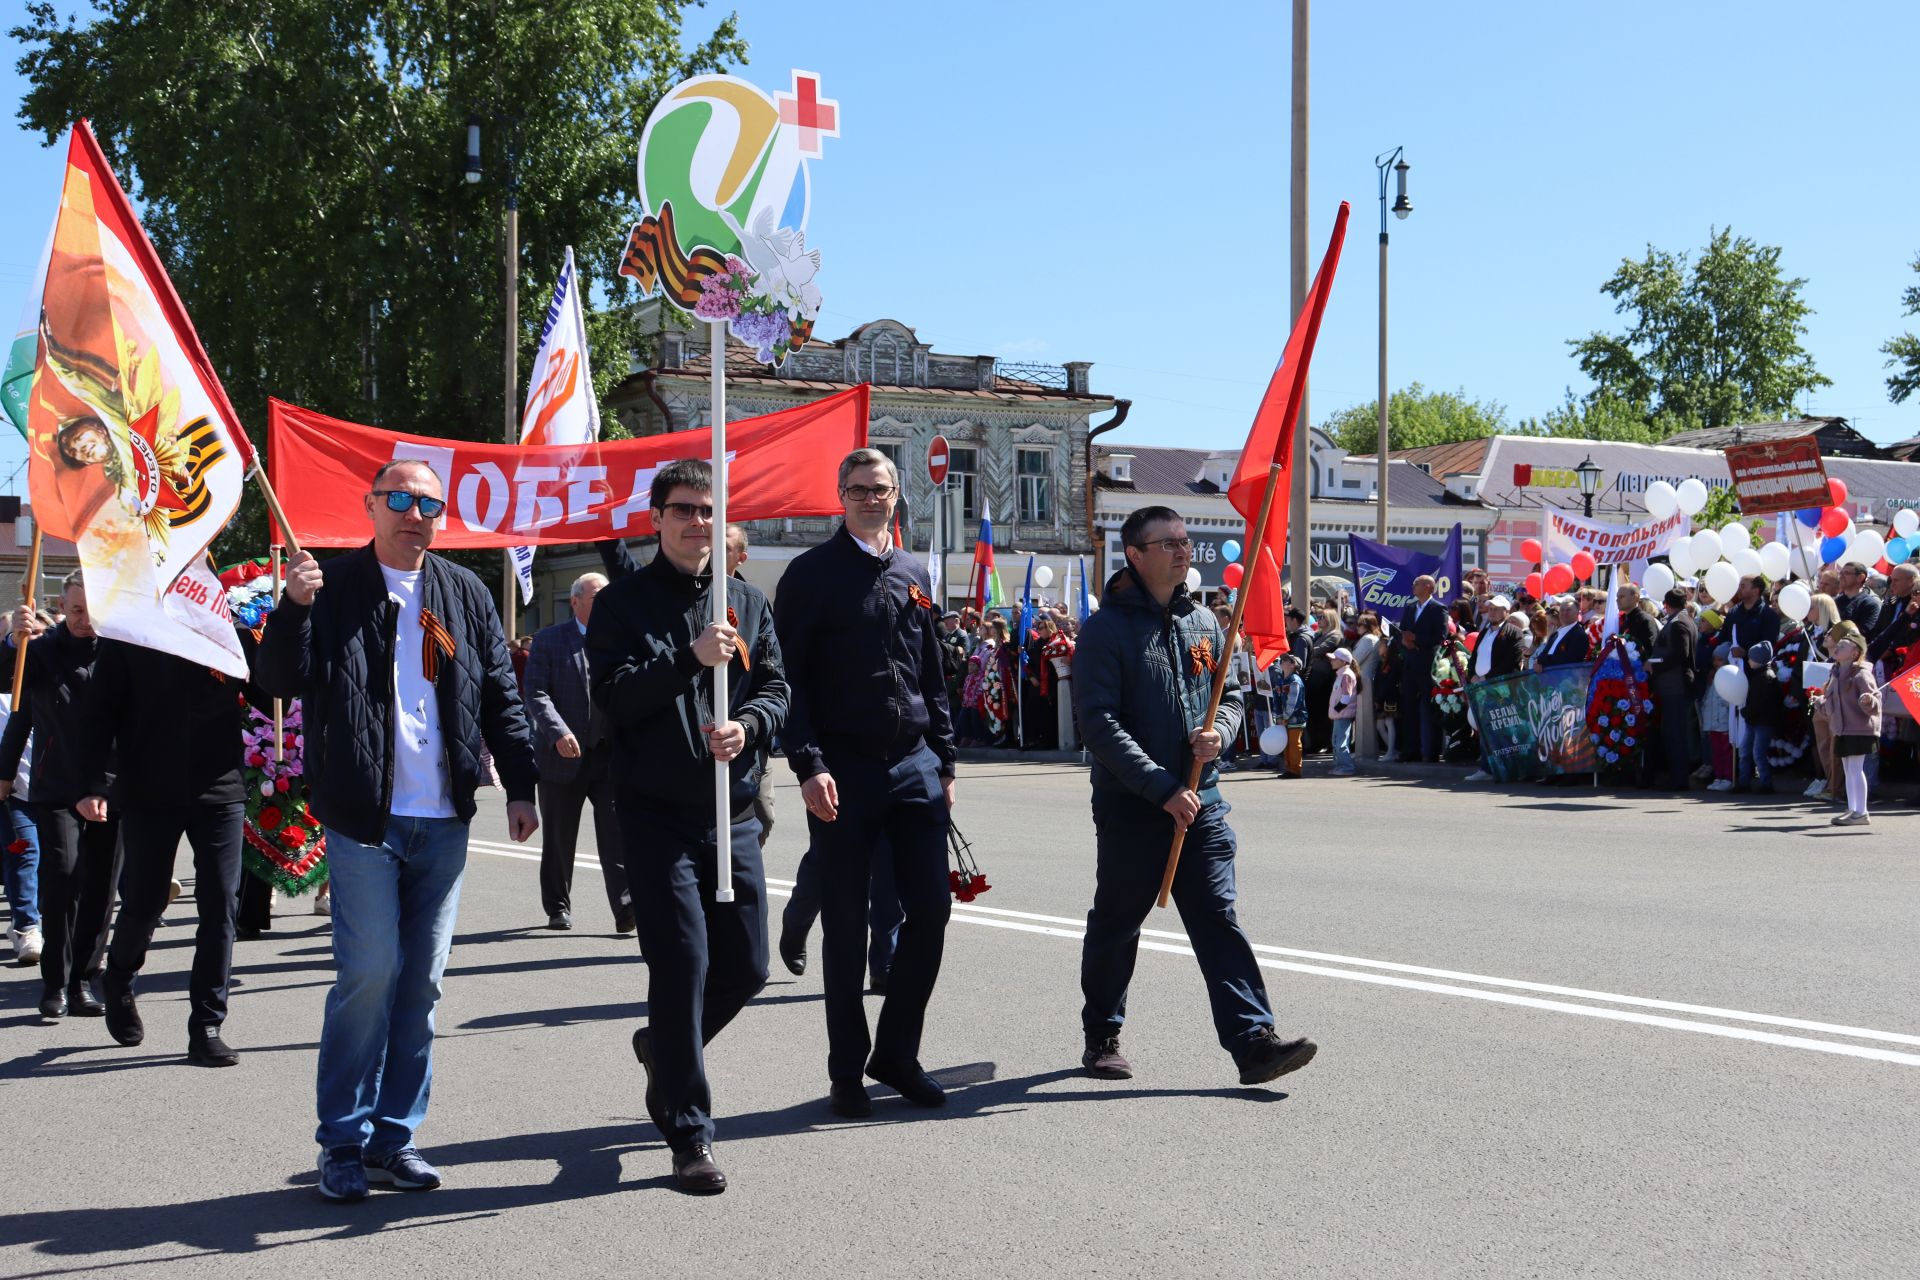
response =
{"points": [[1656, 581], [1661, 499], [1706, 548], [1042, 577], [1906, 522], [1809, 562], [1193, 580], [1775, 561], [1692, 495], [1093, 602], [1795, 602], [1867, 548], [1734, 537], [1273, 741], [1680, 556], [1730, 682], [1745, 562], [1722, 582]]}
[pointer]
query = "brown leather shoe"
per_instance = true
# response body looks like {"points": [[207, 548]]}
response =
{"points": [[1103, 1061], [696, 1173]]}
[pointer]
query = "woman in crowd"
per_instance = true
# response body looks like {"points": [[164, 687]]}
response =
{"points": [[1539, 627], [1851, 703], [1366, 665], [1319, 677], [1343, 706]]}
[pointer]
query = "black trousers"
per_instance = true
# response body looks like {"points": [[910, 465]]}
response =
{"points": [[561, 805], [79, 863], [705, 959], [896, 811], [256, 903], [1679, 729], [883, 909], [151, 838]]}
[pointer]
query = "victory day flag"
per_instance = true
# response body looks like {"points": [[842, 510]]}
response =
{"points": [[133, 452], [1907, 686], [988, 592], [1270, 442], [561, 408]]}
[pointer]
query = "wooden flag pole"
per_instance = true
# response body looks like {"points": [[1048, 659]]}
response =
{"points": [[21, 638], [279, 708], [273, 506], [1249, 557]]}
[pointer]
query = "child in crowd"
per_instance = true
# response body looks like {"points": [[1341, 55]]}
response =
{"points": [[1716, 720], [1851, 703], [1292, 694], [1765, 712], [1342, 706]]}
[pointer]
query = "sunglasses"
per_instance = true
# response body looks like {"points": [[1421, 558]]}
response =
{"points": [[688, 510], [399, 501]]}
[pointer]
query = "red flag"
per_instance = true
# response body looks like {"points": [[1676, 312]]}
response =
{"points": [[1907, 685], [1271, 441]]}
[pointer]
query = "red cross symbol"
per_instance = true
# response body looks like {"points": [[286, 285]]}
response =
{"points": [[816, 117]]}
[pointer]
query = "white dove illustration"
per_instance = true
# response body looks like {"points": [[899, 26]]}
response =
{"points": [[781, 261]]}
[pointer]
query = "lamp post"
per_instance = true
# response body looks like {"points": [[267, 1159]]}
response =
{"points": [[1589, 477], [1401, 208], [511, 355]]}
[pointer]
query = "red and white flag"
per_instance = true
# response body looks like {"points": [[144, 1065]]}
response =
{"points": [[1907, 686], [561, 408], [1263, 619], [134, 452]]}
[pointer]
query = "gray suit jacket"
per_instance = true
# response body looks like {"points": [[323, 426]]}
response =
{"points": [[558, 701]]}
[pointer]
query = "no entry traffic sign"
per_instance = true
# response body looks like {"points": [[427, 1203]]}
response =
{"points": [[938, 457]]}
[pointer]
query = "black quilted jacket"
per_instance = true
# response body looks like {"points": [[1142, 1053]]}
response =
{"points": [[336, 655]]}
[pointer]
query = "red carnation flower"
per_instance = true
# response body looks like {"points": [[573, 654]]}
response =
{"points": [[270, 817], [280, 785], [293, 835], [18, 847]]}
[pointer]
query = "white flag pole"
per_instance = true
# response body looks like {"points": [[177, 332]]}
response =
{"points": [[717, 566]]}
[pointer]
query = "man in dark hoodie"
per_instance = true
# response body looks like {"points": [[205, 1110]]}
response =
{"points": [[1143, 676], [1763, 713]]}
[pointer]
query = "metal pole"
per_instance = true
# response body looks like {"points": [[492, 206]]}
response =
{"points": [[508, 576], [1297, 531], [717, 570], [279, 708], [1380, 450]]}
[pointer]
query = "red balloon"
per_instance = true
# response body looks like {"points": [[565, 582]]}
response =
{"points": [[1233, 573], [1885, 566], [1837, 489], [1833, 521], [1536, 585], [1530, 551], [1583, 565], [1559, 578]]}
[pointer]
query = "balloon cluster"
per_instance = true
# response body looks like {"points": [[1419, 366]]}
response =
{"points": [[1554, 579]]}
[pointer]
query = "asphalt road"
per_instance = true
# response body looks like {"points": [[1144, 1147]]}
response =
{"points": [[1561, 1034]]}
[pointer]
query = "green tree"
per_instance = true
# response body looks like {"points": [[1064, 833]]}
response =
{"points": [[1711, 342], [1903, 352], [299, 167], [1416, 417]]}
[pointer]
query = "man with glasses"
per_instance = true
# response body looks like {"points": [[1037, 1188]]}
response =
{"points": [[652, 648], [401, 666], [869, 736], [1143, 676]]}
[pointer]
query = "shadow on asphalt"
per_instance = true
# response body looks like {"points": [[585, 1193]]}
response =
{"points": [[619, 1011]]}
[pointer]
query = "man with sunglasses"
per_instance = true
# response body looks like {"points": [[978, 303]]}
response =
{"points": [[1143, 676], [401, 666], [652, 647], [869, 735]]}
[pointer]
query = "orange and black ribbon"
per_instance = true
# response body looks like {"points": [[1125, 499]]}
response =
{"points": [[1200, 656], [919, 597], [740, 650], [439, 641]]}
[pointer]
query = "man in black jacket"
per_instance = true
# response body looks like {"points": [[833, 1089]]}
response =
{"points": [[79, 860], [1856, 602], [868, 734], [1496, 653], [652, 648], [1568, 644], [173, 729], [1423, 629], [1899, 627], [401, 666], [1671, 681]]}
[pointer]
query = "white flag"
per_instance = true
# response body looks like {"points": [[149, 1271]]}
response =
{"points": [[560, 404]]}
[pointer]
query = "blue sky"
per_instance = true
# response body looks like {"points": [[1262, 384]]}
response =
{"points": [[1109, 183]]}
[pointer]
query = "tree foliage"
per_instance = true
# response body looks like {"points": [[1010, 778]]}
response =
{"points": [[1903, 352], [299, 167], [1416, 417], [1711, 342]]}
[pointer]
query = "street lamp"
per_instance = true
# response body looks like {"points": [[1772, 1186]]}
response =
{"points": [[473, 149], [1589, 477], [1387, 160]]}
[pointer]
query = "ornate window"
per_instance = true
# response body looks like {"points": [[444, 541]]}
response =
{"points": [[1036, 486], [963, 469]]}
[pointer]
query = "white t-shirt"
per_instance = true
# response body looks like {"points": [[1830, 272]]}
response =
{"points": [[421, 786]]}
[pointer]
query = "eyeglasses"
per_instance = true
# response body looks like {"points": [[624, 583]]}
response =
{"points": [[864, 493], [1172, 546], [688, 510], [399, 501]]}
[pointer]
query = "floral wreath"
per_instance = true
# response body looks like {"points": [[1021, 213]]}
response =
{"points": [[1449, 697], [1619, 710]]}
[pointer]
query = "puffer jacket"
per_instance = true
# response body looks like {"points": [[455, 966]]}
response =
{"points": [[336, 656], [1847, 688], [1142, 675]]}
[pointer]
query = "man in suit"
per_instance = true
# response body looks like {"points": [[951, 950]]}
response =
{"points": [[1569, 643], [1496, 653], [1423, 628], [1671, 681], [570, 739]]}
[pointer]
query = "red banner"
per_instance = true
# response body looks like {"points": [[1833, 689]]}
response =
{"points": [[1778, 475], [503, 495]]}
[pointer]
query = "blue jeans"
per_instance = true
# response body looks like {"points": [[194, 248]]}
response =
{"points": [[393, 910], [1343, 745], [1755, 769], [23, 868]]}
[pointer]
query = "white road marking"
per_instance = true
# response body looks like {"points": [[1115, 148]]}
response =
{"points": [[1177, 944]]}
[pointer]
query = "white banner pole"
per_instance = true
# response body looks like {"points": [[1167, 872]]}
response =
{"points": [[717, 566]]}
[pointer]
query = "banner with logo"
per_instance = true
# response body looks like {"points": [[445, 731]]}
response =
{"points": [[1778, 475], [1383, 576], [1629, 544], [501, 495], [1534, 724]]}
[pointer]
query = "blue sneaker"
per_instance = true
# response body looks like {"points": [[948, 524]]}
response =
{"points": [[405, 1169], [342, 1174]]}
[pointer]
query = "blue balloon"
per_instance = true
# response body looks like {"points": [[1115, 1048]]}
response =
{"points": [[1831, 549], [1230, 549], [1808, 516], [1899, 550]]}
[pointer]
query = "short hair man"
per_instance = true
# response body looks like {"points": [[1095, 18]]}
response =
{"points": [[871, 739], [653, 649], [1143, 678], [401, 666], [1671, 679], [1423, 629], [1568, 644], [572, 741], [1856, 602]]}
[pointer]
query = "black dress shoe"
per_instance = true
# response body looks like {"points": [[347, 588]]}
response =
{"points": [[82, 1003], [909, 1081], [623, 922], [53, 1003], [877, 984], [560, 920], [1269, 1057], [793, 953], [123, 1015], [851, 1101], [696, 1173], [643, 1050], [205, 1048]]}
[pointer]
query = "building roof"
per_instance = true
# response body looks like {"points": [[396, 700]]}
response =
{"points": [[1158, 470], [1462, 457], [744, 367], [1836, 437]]}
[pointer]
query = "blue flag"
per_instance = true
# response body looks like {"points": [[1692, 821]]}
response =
{"points": [[1383, 576], [1026, 614], [1086, 597]]}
